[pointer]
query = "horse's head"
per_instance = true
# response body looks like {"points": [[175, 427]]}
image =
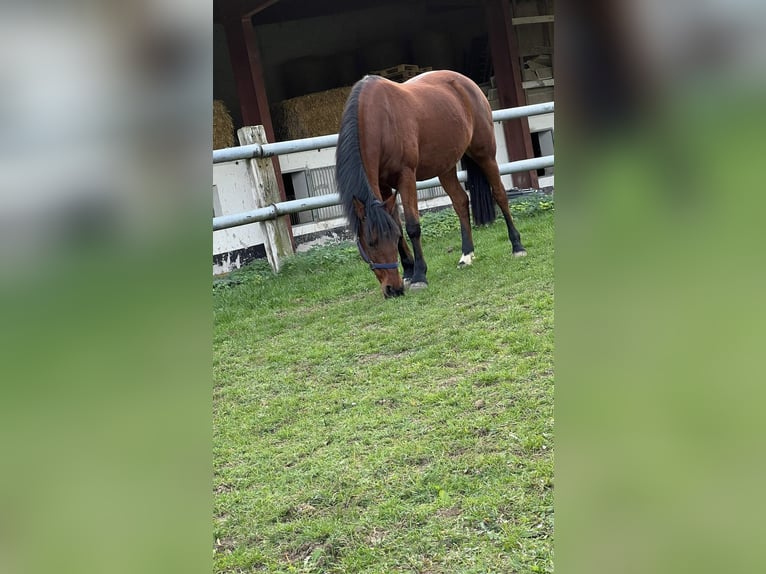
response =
{"points": [[378, 242]]}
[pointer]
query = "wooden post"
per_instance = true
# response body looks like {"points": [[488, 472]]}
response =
{"points": [[507, 66], [248, 72], [276, 232]]}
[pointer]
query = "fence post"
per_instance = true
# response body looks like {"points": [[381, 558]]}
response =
{"points": [[266, 191]]}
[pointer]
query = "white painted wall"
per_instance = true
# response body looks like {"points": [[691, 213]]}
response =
{"points": [[502, 153], [543, 125], [232, 193]]}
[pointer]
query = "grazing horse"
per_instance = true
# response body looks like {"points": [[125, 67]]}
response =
{"points": [[392, 135]]}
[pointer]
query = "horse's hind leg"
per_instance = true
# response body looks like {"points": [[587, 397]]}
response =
{"points": [[459, 200], [408, 263], [489, 166]]}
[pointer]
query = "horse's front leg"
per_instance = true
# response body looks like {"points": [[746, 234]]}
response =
{"points": [[409, 194], [408, 263], [459, 200]]}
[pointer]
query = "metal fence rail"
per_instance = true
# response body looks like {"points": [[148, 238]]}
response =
{"points": [[279, 148]]}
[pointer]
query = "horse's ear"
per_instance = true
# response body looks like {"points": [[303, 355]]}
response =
{"points": [[390, 204], [359, 207]]}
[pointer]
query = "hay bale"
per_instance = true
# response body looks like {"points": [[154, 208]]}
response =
{"points": [[311, 115], [223, 126]]}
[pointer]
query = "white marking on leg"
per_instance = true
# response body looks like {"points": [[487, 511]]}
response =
{"points": [[520, 254], [418, 285], [465, 260]]}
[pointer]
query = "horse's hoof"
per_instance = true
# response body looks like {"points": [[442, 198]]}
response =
{"points": [[418, 285], [521, 253], [465, 260], [407, 282]]}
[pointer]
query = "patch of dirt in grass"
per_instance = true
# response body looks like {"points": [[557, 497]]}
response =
{"points": [[457, 451], [321, 551], [299, 511], [449, 512], [461, 376], [221, 488], [418, 461], [376, 537], [305, 509], [302, 552], [450, 382], [386, 402], [224, 545]]}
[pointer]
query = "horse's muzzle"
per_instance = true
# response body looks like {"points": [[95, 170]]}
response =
{"points": [[391, 291]]}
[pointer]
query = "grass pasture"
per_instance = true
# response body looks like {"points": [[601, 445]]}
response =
{"points": [[356, 434]]}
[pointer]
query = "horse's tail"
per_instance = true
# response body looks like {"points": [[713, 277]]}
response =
{"points": [[482, 203]]}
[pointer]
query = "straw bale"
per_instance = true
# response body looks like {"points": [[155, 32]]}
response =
{"points": [[312, 115], [223, 126]]}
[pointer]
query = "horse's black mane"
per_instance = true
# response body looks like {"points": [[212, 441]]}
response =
{"points": [[351, 177]]}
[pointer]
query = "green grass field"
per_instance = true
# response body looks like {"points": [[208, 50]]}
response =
{"points": [[357, 434]]}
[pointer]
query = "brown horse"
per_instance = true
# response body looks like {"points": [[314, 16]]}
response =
{"points": [[392, 135]]}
